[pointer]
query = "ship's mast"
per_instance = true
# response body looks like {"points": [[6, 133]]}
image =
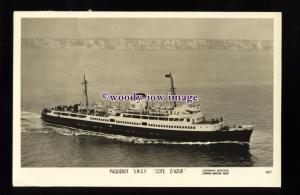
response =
{"points": [[172, 89], [85, 91]]}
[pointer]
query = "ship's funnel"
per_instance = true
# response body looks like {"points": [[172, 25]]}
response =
{"points": [[139, 105]]}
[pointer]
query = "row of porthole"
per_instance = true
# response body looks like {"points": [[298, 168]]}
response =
{"points": [[130, 123], [171, 126]]}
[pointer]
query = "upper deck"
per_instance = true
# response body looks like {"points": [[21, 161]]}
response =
{"points": [[139, 120]]}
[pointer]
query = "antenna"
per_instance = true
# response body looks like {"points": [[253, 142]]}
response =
{"points": [[85, 91], [172, 89]]}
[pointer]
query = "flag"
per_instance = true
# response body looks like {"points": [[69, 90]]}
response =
{"points": [[168, 75]]}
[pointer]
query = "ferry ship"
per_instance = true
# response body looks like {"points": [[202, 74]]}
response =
{"points": [[184, 123]]}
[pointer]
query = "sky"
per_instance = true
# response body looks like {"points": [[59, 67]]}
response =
{"points": [[50, 75], [197, 28]]}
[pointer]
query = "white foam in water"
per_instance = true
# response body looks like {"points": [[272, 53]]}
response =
{"points": [[130, 139], [26, 115], [31, 123], [42, 131]]}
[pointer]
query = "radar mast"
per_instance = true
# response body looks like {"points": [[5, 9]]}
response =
{"points": [[172, 89], [85, 91]]}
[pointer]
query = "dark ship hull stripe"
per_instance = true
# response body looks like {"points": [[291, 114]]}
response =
{"points": [[150, 133]]}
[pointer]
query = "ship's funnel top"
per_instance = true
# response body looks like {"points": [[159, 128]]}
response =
{"points": [[142, 95]]}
